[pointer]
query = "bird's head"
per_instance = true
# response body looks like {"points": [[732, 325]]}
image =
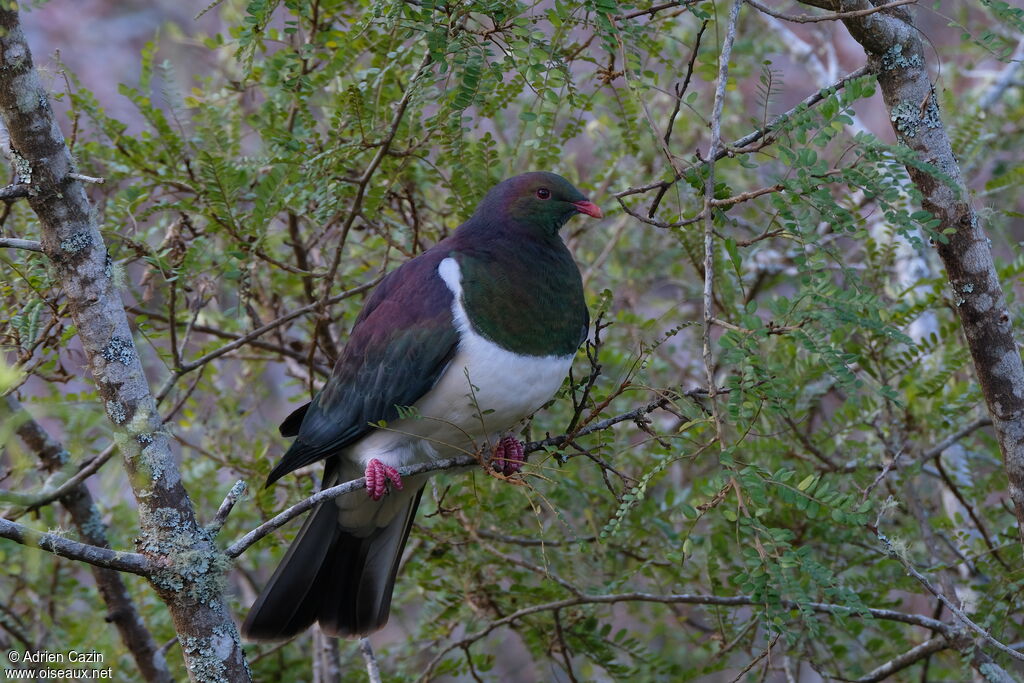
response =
{"points": [[536, 201]]}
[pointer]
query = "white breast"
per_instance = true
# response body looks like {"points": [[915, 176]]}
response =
{"points": [[487, 389]]}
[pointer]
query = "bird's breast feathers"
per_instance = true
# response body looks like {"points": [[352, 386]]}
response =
{"points": [[484, 391]]}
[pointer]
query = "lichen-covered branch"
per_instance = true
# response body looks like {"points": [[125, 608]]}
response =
{"points": [[897, 53], [134, 563], [189, 570], [92, 530]]}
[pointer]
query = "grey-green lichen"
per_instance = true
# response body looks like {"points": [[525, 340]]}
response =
{"points": [[931, 118], [94, 527], [22, 167], [895, 59], [77, 243], [189, 562], [206, 656], [968, 288], [119, 350], [117, 412], [905, 119], [992, 672]]}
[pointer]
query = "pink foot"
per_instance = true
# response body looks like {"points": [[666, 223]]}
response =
{"points": [[377, 477], [508, 456]]}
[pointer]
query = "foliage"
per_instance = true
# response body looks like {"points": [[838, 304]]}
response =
{"points": [[340, 138]]}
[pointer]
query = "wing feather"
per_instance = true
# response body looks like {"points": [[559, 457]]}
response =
{"points": [[400, 344]]}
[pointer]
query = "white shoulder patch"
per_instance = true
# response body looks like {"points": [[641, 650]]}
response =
{"points": [[450, 272]]}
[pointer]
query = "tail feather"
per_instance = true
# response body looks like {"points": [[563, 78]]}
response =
{"points": [[363, 570], [288, 604], [332, 576]]}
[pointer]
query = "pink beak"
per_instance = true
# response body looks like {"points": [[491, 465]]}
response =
{"points": [[589, 208]]}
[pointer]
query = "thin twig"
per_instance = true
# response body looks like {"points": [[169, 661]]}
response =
{"points": [[282, 518], [957, 612], [837, 16], [372, 670], [709, 198], [87, 178], [258, 332], [938, 448], [45, 496], [15, 243], [687, 599], [236, 492], [364, 182], [758, 134], [908, 658], [654, 9]]}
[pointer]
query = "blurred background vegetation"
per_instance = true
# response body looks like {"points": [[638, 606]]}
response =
{"points": [[236, 151]]}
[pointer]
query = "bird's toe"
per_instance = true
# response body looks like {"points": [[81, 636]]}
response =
{"points": [[509, 456], [378, 475]]}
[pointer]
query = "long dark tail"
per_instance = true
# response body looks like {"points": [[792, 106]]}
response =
{"points": [[334, 577]]}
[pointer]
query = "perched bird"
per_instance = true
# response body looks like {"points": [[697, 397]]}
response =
{"points": [[474, 334]]}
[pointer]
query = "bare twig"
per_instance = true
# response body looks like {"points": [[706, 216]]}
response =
{"points": [[940, 447], [15, 191], [41, 498], [654, 9], [15, 243], [282, 518], [949, 604], [760, 133], [687, 599], [87, 178], [236, 492], [364, 183], [372, 670], [185, 368], [709, 198], [908, 658]]}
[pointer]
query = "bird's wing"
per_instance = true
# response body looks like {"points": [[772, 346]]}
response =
{"points": [[399, 347]]}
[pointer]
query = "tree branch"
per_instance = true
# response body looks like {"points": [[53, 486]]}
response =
{"points": [[171, 539], [134, 563], [908, 658], [78, 501], [957, 612], [896, 53], [466, 460], [709, 214], [15, 243], [837, 16], [684, 599]]}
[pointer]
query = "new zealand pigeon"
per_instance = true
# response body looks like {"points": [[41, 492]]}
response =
{"points": [[474, 335]]}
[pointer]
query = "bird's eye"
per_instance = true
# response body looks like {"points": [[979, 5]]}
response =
{"points": [[544, 193]]}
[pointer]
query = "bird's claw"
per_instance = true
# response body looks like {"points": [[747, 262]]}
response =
{"points": [[509, 456], [377, 477]]}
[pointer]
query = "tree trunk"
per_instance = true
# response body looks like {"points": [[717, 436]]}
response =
{"points": [[191, 570], [896, 52]]}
